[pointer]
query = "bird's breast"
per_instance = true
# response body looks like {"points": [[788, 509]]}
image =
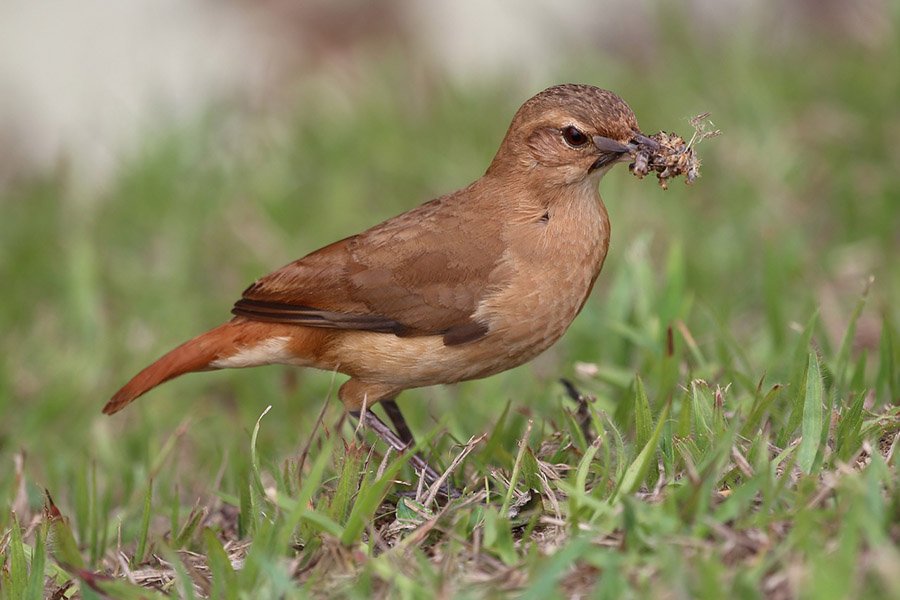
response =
{"points": [[551, 267]]}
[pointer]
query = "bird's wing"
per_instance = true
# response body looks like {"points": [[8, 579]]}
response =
{"points": [[420, 273]]}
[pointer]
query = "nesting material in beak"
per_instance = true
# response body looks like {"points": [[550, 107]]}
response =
{"points": [[668, 154]]}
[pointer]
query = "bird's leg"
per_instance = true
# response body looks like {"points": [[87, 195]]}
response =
{"points": [[393, 440], [396, 417], [583, 414], [371, 420]]}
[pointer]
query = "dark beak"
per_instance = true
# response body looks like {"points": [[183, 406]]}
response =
{"points": [[642, 141], [610, 151], [608, 145]]}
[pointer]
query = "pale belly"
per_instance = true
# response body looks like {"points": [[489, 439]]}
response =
{"points": [[423, 361]]}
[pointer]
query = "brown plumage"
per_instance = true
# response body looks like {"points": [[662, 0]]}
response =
{"points": [[467, 285]]}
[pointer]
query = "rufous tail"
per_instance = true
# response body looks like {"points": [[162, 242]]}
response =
{"points": [[193, 355]]}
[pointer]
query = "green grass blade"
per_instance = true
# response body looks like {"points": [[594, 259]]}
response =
{"points": [[760, 407], [702, 413], [308, 487], [198, 514], [324, 523], [124, 590], [493, 449], [183, 580], [584, 466], [847, 437], [642, 415], [813, 418], [246, 517], [843, 357], [685, 417], [517, 465], [531, 470], [579, 490], [886, 380], [544, 583], [257, 491], [35, 588], [352, 461], [619, 442], [96, 528], [637, 471], [18, 566], [498, 538], [175, 511], [797, 387], [224, 578], [138, 557], [858, 383]]}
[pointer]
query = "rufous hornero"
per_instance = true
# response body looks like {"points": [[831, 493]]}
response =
{"points": [[464, 286]]}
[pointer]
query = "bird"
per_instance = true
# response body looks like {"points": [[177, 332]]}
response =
{"points": [[462, 287]]}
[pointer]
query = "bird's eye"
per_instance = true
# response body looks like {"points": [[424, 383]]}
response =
{"points": [[574, 137]]}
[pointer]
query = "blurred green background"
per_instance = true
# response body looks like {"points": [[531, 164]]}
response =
{"points": [[798, 205]]}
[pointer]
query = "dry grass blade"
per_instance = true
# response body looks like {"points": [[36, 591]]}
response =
{"points": [[437, 485], [703, 129]]}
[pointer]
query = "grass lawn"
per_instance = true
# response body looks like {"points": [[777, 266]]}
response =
{"points": [[738, 361]]}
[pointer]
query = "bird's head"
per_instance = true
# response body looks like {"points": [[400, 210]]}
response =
{"points": [[568, 134]]}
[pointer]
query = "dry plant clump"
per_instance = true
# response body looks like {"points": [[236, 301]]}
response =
{"points": [[670, 156]]}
